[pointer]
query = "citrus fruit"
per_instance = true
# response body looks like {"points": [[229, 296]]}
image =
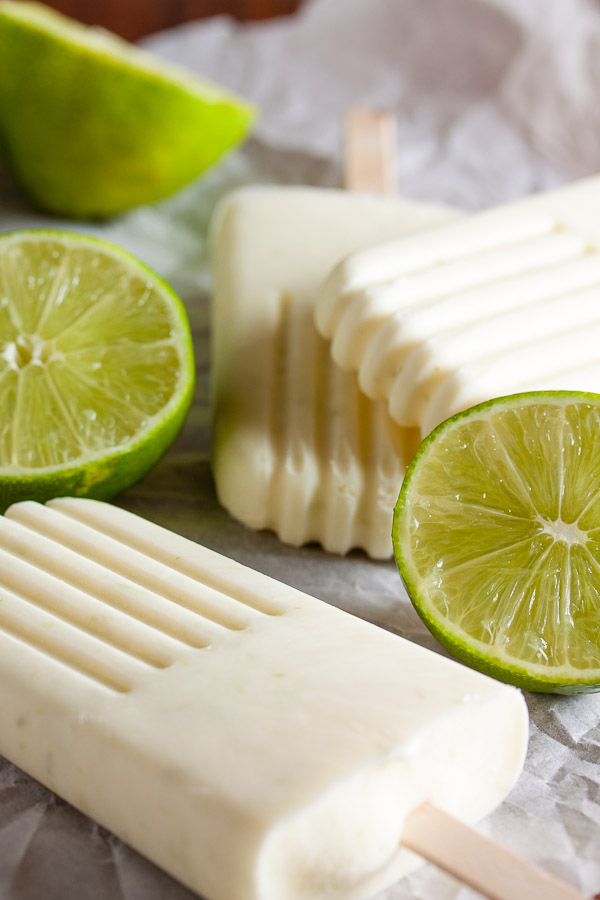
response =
{"points": [[91, 125], [497, 538], [96, 367]]}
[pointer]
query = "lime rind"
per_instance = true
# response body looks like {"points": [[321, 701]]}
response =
{"points": [[102, 478], [556, 566], [108, 468], [108, 47]]}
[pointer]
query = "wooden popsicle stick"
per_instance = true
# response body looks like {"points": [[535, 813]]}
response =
{"points": [[370, 166], [478, 861], [370, 146]]}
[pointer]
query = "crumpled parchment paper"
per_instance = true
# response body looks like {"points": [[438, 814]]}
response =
{"points": [[495, 99]]}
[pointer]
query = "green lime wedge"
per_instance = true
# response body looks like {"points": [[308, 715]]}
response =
{"points": [[497, 538], [96, 367], [91, 125]]}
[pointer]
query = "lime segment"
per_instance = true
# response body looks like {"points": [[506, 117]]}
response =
{"points": [[96, 367], [497, 538], [91, 125]]}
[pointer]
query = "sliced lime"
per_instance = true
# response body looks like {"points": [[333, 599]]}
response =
{"points": [[96, 367], [92, 125], [497, 538]]}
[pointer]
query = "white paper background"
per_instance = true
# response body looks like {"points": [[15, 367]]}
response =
{"points": [[495, 99]]}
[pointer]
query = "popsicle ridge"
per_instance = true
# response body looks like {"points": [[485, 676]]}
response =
{"points": [[82, 610], [429, 321], [397, 336], [498, 272], [569, 316], [292, 424], [343, 460], [325, 438], [50, 635], [51, 558], [538, 365], [139, 569], [381, 266], [203, 566]]}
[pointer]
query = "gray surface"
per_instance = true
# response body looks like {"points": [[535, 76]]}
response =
{"points": [[495, 99]]}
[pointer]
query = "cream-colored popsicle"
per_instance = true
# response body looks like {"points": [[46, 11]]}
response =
{"points": [[297, 447], [504, 301], [254, 742]]}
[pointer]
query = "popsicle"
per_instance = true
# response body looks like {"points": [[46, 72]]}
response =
{"points": [[504, 301], [297, 448], [253, 741]]}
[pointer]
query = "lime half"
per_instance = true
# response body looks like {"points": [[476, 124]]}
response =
{"points": [[91, 125], [96, 367], [497, 538]]}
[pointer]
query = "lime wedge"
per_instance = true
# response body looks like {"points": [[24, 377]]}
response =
{"points": [[96, 367], [497, 538], [91, 125]]}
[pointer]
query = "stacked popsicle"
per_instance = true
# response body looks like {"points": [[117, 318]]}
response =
{"points": [[298, 448]]}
